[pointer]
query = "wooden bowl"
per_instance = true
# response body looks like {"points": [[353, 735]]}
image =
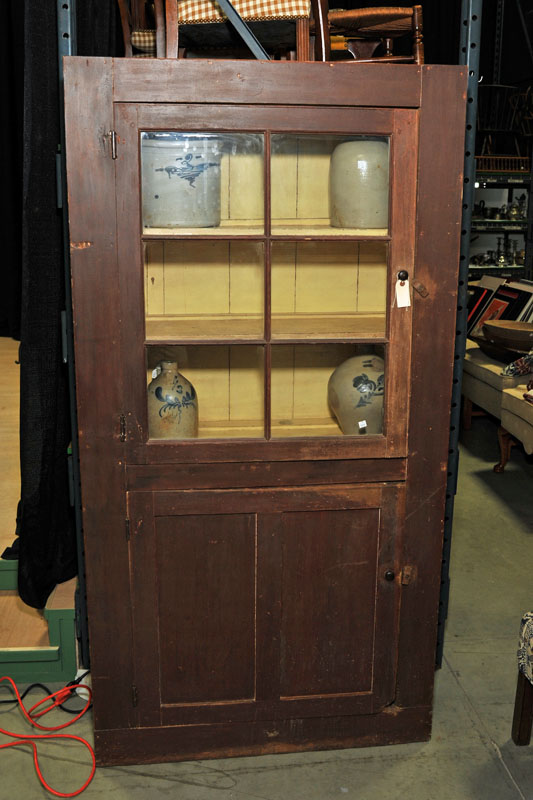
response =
{"points": [[517, 336], [496, 351]]}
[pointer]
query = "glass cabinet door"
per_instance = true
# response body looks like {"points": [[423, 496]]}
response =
{"points": [[268, 277]]}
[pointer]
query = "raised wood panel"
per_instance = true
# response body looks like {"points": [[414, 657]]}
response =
{"points": [[206, 607], [328, 601], [264, 600]]}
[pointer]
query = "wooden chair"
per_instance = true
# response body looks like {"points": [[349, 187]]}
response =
{"points": [[143, 28], [361, 31], [181, 28], [523, 709], [198, 26]]}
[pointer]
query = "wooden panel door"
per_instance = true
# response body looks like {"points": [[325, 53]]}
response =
{"points": [[264, 604]]}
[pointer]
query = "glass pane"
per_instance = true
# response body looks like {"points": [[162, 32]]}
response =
{"points": [[202, 182], [205, 391], [327, 390], [204, 289], [334, 185], [328, 290]]}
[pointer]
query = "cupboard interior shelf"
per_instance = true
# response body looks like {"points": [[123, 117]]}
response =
{"points": [[365, 327], [282, 228], [254, 429]]}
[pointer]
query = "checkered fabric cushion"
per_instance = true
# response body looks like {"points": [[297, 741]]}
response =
{"points": [[198, 11], [525, 646], [144, 40]]}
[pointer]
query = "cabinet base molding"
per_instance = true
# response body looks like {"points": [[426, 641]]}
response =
{"points": [[394, 725]]}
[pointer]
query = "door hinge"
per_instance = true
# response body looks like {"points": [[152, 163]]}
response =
{"points": [[127, 529], [112, 135], [134, 696], [122, 435]]}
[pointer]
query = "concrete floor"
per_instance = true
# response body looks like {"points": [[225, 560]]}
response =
{"points": [[470, 755]]}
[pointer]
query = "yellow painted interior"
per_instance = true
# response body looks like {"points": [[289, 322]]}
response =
{"points": [[215, 289]]}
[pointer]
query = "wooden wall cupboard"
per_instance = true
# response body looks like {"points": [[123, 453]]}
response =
{"points": [[272, 583]]}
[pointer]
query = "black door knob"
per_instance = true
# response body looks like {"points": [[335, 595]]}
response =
{"points": [[403, 275], [389, 575]]}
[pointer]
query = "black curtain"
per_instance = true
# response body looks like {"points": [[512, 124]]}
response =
{"points": [[11, 70], [34, 284]]}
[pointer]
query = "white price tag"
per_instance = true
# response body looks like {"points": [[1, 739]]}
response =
{"points": [[362, 424], [403, 295], [156, 372]]}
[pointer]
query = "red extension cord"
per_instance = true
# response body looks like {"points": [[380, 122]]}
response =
{"points": [[56, 699]]}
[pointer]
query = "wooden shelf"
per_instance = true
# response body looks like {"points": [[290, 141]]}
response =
{"points": [[230, 429], [285, 327], [205, 328], [292, 428], [226, 229], [322, 227], [281, 428], [328, 326], [281, 227]]}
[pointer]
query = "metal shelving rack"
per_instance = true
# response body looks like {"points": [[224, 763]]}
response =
{"points": [[505, 227], [469, 56]]}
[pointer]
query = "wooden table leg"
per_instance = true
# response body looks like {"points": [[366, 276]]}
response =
{"points": [[523, 711], [505, 441], [467, 413]]}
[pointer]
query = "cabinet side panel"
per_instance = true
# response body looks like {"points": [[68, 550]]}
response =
{"points": [[90, 170], [437, 260]]}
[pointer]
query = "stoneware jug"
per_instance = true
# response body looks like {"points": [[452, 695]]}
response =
{"points": [[181, 180], [172, 404], [355, 394], [359, 184]]}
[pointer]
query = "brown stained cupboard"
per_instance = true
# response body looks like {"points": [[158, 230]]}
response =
{"points": [[272, 584]]}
